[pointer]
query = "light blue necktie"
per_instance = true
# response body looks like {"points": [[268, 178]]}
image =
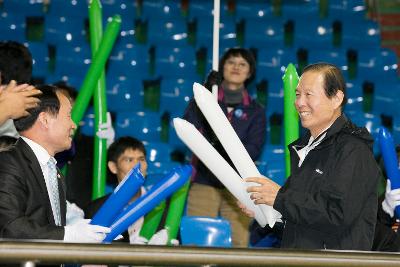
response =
{"points": [[53, 186]]}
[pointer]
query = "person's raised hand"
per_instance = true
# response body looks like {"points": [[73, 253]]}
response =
{"points": [[16, 100]]}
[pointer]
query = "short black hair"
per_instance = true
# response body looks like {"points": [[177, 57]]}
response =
{"points": [[242, 52], [15, 63], [71, 91], [333, 79], [123, 143], [49, 102]]}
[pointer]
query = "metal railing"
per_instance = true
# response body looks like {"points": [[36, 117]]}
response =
{"points": [[31, 253]]}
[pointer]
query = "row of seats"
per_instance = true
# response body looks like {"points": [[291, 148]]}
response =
{"points": [[146, 63], [192, 8], [311, 33]]}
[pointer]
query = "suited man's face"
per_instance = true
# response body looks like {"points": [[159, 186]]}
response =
{"points": [[61, 127]]}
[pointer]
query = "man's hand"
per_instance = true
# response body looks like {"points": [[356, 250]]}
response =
{"points": [[263, 193], [392, 199], [15, 99], [84, 232]]}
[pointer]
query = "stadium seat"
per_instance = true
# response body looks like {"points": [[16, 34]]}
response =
{"points": [[86, 126], [354, 9], [378, 64], [205, 231], [12, 26], [129, 58], [175, 95], [300, 9], [72, 60], [60, 30], [313, 33], [246, 10], [167, 30], [362, 34], [152, 9], [24, 7], [175, 62], [143, 125], [70, 8], [333, 56], [158, 152], [271, 63], [204, 32], [261, 33], [40, 56], [124, 93]]}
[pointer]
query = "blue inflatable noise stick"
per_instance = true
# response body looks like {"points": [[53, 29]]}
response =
{"points": [[160, 191], [390, 160], [124, 192]]}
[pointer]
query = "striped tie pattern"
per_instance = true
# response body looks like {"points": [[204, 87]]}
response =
{"points": [[53, 187]]}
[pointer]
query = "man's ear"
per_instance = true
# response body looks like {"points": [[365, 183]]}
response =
{"points": [[43, 119], [339, 98], [112, 167]]}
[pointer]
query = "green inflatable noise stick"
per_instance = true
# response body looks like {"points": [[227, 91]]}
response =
{"points": [[95, 69], [100, 103], [290, 116]]}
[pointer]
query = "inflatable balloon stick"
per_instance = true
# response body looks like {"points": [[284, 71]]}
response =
{"points": [[160, 191], [99, 103], [217, 165], [230, 141], [390, 160], [152, 220], [175, 211], [119, 198], [96, 68], [290, 116]]}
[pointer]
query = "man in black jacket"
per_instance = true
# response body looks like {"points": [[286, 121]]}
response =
{"points": [[330, 199]]}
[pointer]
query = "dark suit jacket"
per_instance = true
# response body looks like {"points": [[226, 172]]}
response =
{"points": [[25, 209]]}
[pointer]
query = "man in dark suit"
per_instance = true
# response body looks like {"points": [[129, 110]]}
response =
{"points": [[32, 191]]}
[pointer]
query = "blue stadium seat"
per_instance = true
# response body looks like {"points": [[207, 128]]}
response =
{"points": [[201, 8], [72, 80], [386, 98], [174, 62], [40, 56], [62, 29], [167, 30], [354, 94], [175, 95], [157, 170], [275, 170], [158, 151], [204, 32], [125, 8], [205, 231], [376, 63], [313, 33], [129, 58], [24, 7], [246, 9], [142, 125], [161, 9], [70, 8], [72, 60], [12, 26], [124, 93], [271, 63], [334, 56], [300, 9], [86, 125], [354, 9], [261, 33], [362, 34]]}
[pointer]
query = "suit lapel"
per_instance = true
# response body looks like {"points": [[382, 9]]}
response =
{"points": [[37, 174]]}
